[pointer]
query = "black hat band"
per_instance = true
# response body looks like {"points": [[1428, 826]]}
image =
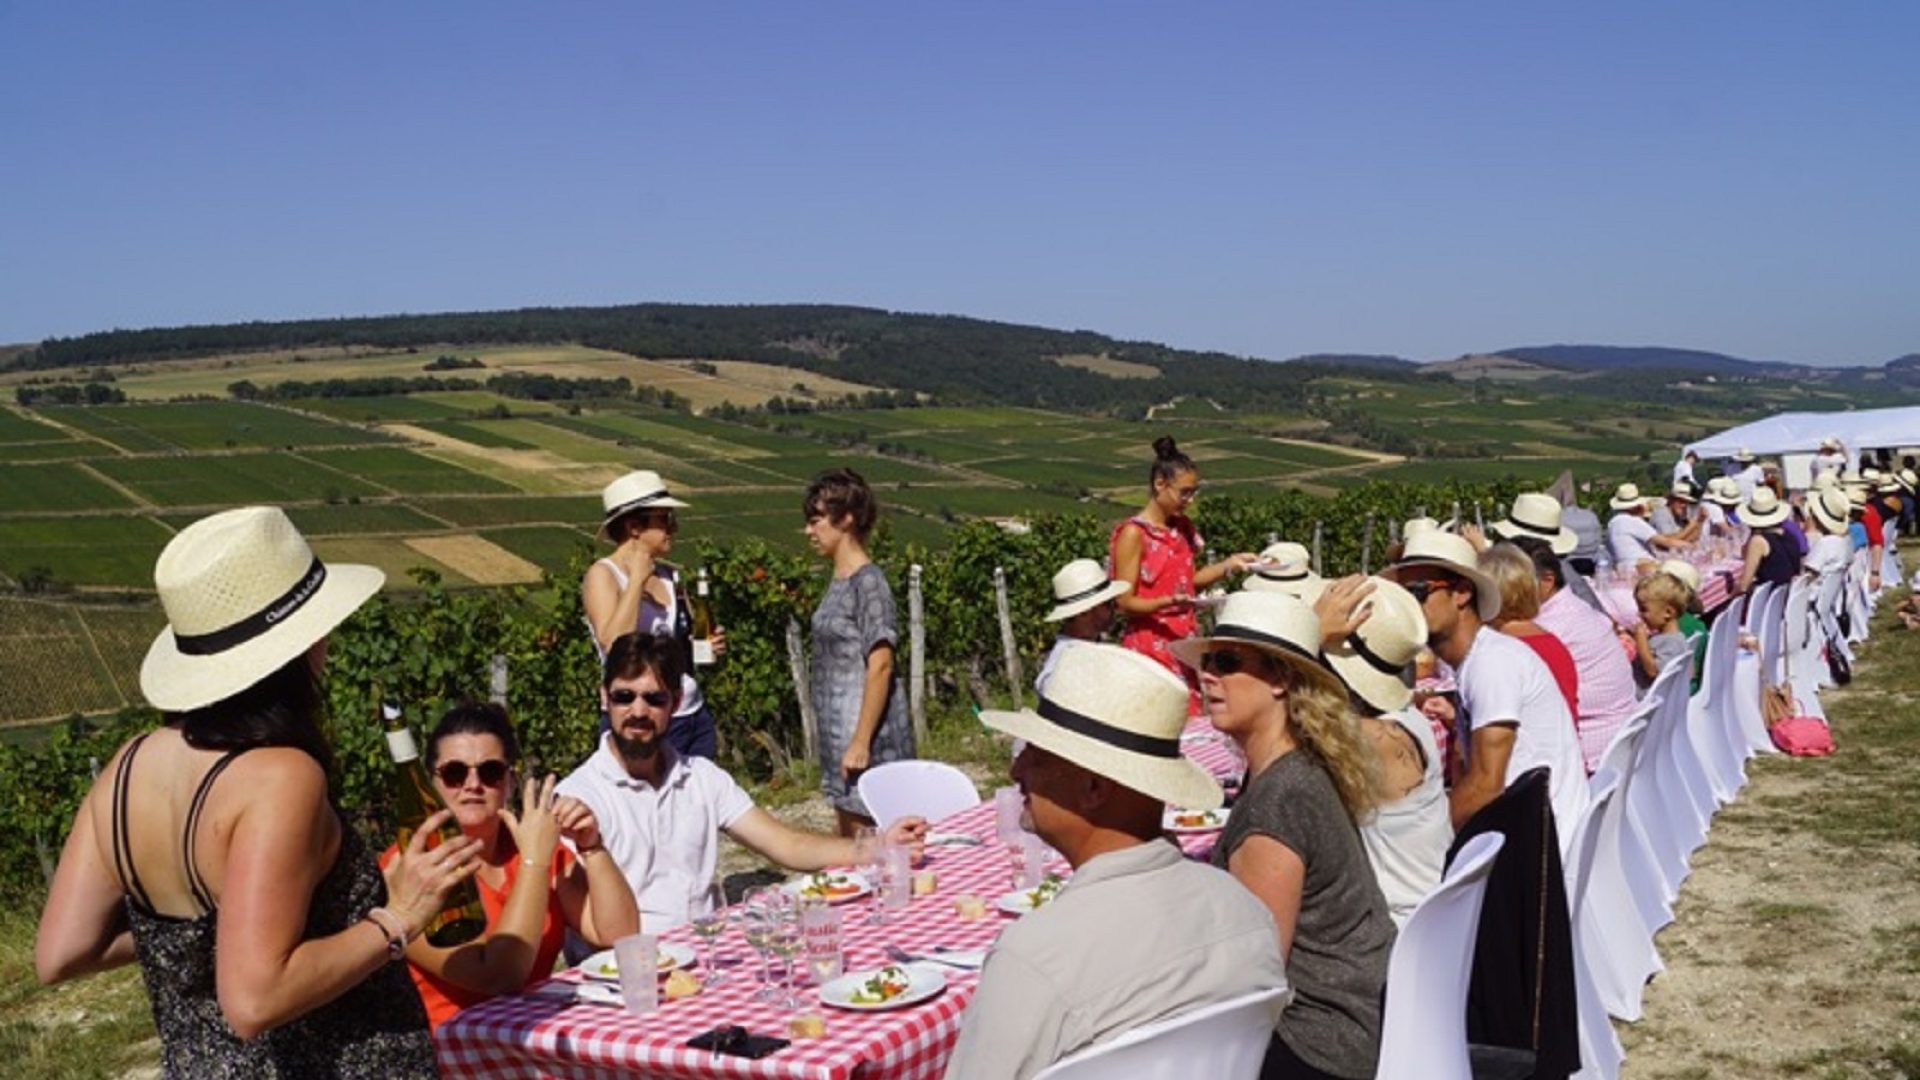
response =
{"points": [[1083, 594], [227, 637], [1100, 730]]}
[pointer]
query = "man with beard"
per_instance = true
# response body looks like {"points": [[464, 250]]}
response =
{"points": [[661, 814]]}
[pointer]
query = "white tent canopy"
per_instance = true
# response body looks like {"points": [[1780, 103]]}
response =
{"points": [[1801, 432]]}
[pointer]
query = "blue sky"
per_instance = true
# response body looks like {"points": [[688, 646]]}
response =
{"points": [[1267, 179]]}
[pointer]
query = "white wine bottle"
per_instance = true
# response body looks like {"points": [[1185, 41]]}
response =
{"points": [[461, 918], [702, 620]]}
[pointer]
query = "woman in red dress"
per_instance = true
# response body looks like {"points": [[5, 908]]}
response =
{"points": [[1155, 552]]}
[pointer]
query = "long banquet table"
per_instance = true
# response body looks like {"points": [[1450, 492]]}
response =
{"points": [[1717, 580], [546, 1033]]}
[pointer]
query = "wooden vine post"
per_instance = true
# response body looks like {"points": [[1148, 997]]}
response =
{"points": [[797, 664], [1007, 648], [916, 655]]}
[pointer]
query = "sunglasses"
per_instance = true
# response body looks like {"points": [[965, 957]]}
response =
{"points": [[659, 699], [1225, 662], [1426, 587], [492, 772]]}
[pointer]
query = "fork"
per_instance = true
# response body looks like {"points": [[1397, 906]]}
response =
{"points": [[901, 956]]}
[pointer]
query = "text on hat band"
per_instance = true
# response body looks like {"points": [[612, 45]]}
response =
{"points": [[219, 641]]}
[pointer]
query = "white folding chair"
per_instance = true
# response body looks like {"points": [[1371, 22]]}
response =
{"points": [[930, 789], [1771, 630], [1620, 882], [1829, 597], [1228, 1040], [1890, 572], [1859, 604], [1800, 653], [1423, 1035], [1600, 1049], [1710, 725], [1657, 801]]}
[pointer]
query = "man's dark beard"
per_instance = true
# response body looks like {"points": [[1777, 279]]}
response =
{"points": [[636, 749]]}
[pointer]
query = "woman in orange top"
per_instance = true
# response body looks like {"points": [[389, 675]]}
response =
{"points": [[533, 889], [1154, 551]]}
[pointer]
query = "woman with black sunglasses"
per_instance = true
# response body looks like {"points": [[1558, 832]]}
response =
{"points": [[533, 889]]}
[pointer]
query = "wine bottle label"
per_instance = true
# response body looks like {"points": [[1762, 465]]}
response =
{"points": [[702, 651], [400, 746]]}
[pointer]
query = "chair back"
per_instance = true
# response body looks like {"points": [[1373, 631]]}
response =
{"points": [[1423, 1035], [929, 789], [1227, 1040]]}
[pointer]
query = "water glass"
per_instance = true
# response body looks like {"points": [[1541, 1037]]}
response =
{"points": [[759, 914], [1027, 861], [638, 957], [821, 931], [785, 939], [899, 875], [1007, 809]]}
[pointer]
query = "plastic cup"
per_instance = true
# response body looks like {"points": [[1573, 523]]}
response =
{"points": [[820, 932], [638, 957], [1007, 808], [899, 874], [1033, 861]]}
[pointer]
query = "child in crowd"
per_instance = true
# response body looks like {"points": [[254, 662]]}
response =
{"points": [[1693, 625], [1657, 638]]}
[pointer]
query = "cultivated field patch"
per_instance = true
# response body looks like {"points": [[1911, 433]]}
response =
{"points": [[406, 472], [47, 664], [232, 480], [390, 555], [1108, 366], [115, 551], [55, 486], [478, 559], [208, 425]]}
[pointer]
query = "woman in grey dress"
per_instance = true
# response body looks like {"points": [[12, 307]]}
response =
{"points": [[855, 695]]}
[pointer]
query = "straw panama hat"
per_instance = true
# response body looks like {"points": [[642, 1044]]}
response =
{"points": [[1082, 585], [1743, 455], [1684, 492], [1415, 526], [1764, 509], [639, 490], [1537, 514], [1830, 509], [1824, 479], [1856, 495], [244, 594], [1831, 442], [1909, 479], [1114, 712], [1456, 556], [1723, 491], [1288, 569], [1627, 497], [1683, 570], [1277, 624], [1373, 659]]}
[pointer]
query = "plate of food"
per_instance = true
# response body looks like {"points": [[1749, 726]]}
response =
{"points": [[1022, 901], [833, 886], [1180, 820], [672, 957], [891, 987]]}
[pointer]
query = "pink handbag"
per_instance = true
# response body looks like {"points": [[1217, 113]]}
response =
{"points": [[1802, 736]]}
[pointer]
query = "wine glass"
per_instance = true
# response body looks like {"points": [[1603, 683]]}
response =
{"points": [[870, 854], [758, 913], [787, 942], [708, 925]]}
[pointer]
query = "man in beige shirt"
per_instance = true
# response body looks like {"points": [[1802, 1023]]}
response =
{"points": [[1141, 933]]}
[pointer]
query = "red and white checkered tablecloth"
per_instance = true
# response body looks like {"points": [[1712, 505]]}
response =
{"points": [[1716, 588], [542, 1035]]}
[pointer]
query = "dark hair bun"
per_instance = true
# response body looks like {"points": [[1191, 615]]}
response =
{"points": [[1164, 449]]}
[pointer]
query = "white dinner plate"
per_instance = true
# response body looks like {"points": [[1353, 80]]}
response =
{"points": [[1020, 902], [923, 982], [1195, 821], [942, 839], [602, 965], [841, 886]]}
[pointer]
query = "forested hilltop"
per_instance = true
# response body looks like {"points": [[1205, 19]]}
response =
{"points": [[956, 359]]}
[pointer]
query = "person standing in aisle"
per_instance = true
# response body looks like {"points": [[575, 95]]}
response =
{"points": [[856, 697], [1155, 552], [635, 589]]}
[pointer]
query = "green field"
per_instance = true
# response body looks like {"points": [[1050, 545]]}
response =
{"points": [[549, 547], [479, 433], [116, 551], [406, 472], [15, 428], [232, 479], [408, 408], [56, 486], [515, 509], [48, 667], [350, 520], [208, 425], [51, 451]]}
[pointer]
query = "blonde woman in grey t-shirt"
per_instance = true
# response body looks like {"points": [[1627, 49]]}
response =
{"points": [[1291, 838]]}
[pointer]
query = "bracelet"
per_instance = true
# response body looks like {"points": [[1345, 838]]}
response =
{"points": [[586, 851], [396, 936], [531, 864]]}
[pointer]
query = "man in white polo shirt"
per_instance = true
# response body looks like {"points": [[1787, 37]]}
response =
{"points": [[1514, 715], [661, 814], [1632, 539]]}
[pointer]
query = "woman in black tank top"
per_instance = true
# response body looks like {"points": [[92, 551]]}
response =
{"points": [[259, 958]]}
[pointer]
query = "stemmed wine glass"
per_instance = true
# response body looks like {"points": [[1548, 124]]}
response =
{"points": [[786, 941], [759, 912], [708, 925]]}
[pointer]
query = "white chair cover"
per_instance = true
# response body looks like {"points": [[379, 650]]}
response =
{"points": [[1657, 801], [931, 789], [1600, 1050], [1228, 1040], [1618, 881], [1423, 1035]]}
